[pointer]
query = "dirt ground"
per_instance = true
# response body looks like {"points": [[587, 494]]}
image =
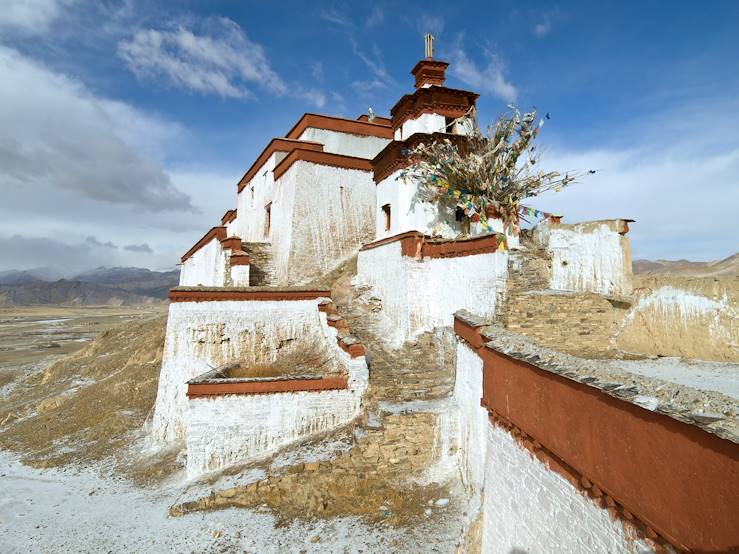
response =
{"points": [[87, 405]]}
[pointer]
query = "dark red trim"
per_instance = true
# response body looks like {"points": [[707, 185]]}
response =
{"points": [[417, 245], [215, 233], [321, 158], [276, 145], [199, 390], [340, 125], [214, 295], [228, 217], [679, 481]]}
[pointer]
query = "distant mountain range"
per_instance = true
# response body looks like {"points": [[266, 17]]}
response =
{"points": [[101, 286], [721, 268]]}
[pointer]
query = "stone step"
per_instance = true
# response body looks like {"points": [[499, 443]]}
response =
{"points": [[261, 267]]}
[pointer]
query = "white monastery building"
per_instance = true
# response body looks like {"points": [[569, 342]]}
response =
{"points": [[257, 358]]}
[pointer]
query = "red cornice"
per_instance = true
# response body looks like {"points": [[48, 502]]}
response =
{"points": [[449, 102], [231, 243], [184, 294], [341, 125], [228, 217], [380, 120], [619, 453], [215, 233], [240, 258], [195, 390], [415, 244], [392, 157], [276, 145], [431, 72], [321, 158]]}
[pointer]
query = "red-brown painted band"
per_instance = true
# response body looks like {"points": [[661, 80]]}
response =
{"points": [[678, 479], [196, 390], [355, 350], [240, 258], [231, 243], [379, 120], [419, 246], [228, 217], [321, 158], [276, 145], [395, 155], [432, 72], [340, 125], [179, 295], [215, 233], [437, 98]]}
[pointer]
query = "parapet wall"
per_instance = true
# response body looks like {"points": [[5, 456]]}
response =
{"points": [[576, 464], [588, 257], [422, 282], [207, 329]]}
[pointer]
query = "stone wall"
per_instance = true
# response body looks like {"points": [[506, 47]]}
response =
{"points": [[579, 324]]}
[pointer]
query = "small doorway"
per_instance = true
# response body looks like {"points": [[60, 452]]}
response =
{"points": [[267, 219]]}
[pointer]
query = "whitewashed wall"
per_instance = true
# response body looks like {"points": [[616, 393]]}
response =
{"points": [[473, 419], [206, 267], [239, 275], [432, 123], [530, 508], [234, 429], [205, 335], [588, 257], [250, 215], [420, 295], [359, 146], [333, 214], [409, 213]]}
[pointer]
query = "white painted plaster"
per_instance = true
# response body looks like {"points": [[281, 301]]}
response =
{"points": [[346, 144], [420, 295], [232, 429], [239, 275], [408, 212], [473, 420], [530, 508], [204, 335], [433, 123], [206, 267], [588, 257], [332, 215]]}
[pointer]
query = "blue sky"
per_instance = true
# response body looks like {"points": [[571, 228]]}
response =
{"points": [[128, 124]]}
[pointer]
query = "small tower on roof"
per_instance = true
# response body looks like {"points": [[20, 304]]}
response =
{"points": [[429, 71]]}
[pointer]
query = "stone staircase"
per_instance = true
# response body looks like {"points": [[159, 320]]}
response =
{"points": [[261, 268], [397, 437]]}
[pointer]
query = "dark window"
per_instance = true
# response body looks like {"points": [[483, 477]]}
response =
{"points": [[386, 216], [267, 219]]}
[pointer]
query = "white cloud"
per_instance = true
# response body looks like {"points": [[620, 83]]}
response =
{"points": [[380, 78], [56, 135], [542, 29], [376, 17], [683, 191], [491, 79], [31, 17], [221, 61], [217, 58], [332, 15], [430, 24]]}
